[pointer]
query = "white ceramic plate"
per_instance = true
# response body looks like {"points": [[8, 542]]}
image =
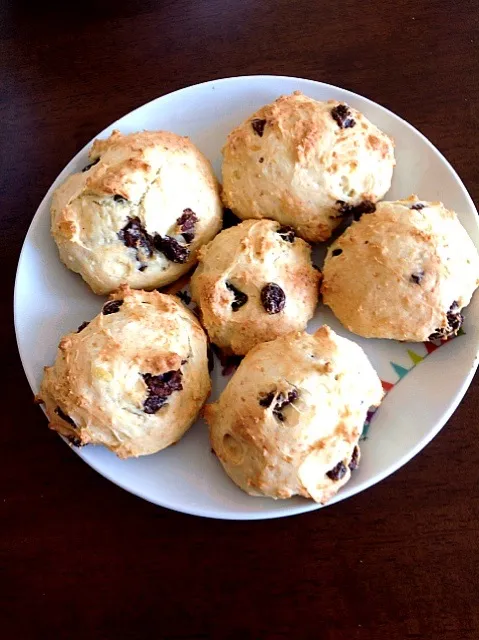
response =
{"points": [[51, 301]]}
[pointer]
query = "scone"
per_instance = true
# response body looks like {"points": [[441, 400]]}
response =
{"points": [[254, 282], [138, 213], [289, 421], [133, 379], [306, 164], [402, 272]]}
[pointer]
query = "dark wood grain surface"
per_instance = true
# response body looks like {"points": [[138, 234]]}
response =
{"points": [[80, 558]]}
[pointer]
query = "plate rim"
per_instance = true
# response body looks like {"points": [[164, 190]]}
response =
{"points": [[287, 509]]}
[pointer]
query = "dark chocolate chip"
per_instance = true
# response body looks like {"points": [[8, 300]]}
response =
{"points": [[287, 233], [184, 297], [354, 459], [343, 116], [229, 219], [337, 472], [61, 414], [186, 222], [273, 298], [417, 277], [261, 160], [282, 401], [118, 198], [142, 267], [258, 126], [92, 164], [240, 298], [454, 323], [336, 252], [160, 389], [112, 307], [418, 206], [135, 236], [172, 249], [82, 326]]}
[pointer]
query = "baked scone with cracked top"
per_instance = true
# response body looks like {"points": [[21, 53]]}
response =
{"points": [[254, 282], [138, 213], [289, 421], [404, 272], [133, 379], [306, 164]]}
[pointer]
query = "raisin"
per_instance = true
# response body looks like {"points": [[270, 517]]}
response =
{"points": [[417, 277], [258, 126], [343, 116], [265, 401], [82, 326], [112, 307], [184, 297], [273, 298], [336, 252], [354, 463], [118, 198], [187, 220], [240, 298], [418, 206], [172, 249], [287, 233], [61, 414], [282, 401], [92, 164], [337, 472], [454, 323], [355, 212], [135, 236], [261, 160], [186, 223], [160, 389]]}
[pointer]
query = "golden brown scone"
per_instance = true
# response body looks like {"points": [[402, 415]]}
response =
{"points": [[138, 213], [254, 282], [402, 272], [305, 163], [289, 421], [133, 379]]}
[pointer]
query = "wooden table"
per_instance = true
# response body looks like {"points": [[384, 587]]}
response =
{"points": [[83, 559]]}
